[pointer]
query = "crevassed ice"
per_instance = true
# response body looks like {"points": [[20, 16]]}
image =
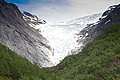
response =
{"points": [[62, 38]]}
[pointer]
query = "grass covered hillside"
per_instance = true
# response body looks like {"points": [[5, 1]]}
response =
{"points": [[14, 67], [99, 60]]}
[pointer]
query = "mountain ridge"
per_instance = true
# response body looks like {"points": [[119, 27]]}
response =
{"points": [[91, 31], [32, 20], [21, 38]]}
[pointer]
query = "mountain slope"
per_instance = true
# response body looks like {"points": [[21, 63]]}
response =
{"points": [[109, 17], [100, 58], [21, 38], [14, 67], [32, 20]]}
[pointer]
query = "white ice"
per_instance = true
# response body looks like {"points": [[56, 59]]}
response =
{"points": [[62, 38]]}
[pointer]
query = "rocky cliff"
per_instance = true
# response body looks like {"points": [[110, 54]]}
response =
{"points": [[32, 20], [16, 34], [91, 31]]}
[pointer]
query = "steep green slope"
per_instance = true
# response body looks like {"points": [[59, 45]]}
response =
{"points": [[14, 67], [99, 60]]}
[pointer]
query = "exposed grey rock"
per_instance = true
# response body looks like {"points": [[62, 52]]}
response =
{"points": [[32, 20], [21, 38], [91, 31]]}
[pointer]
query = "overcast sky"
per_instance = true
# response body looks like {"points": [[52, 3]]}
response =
{"points": [[62, 10]]}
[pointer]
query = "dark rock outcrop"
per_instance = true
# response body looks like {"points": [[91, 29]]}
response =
{"points": [[109, 17], [32, 20], [16, 34]]}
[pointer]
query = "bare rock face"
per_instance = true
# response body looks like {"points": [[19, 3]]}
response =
{"points": [[32, 20], [91, 31], [16, 34]]}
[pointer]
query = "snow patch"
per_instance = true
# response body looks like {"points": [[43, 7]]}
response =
{"points": [[107, 21]]}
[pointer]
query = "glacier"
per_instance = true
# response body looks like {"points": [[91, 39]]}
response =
{"points": [[63, 36]]}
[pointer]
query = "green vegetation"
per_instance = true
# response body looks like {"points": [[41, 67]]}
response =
{"points": [[14, 67], [99, 60]]}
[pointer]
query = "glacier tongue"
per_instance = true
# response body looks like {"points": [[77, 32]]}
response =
{"points": [[63, 36], [62, 39]]}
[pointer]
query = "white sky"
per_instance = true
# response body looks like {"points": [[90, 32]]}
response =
{"points": [[56, 10]]}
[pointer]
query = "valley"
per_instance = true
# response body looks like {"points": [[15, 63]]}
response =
{"points": [[86, 48], [63, 36]]}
